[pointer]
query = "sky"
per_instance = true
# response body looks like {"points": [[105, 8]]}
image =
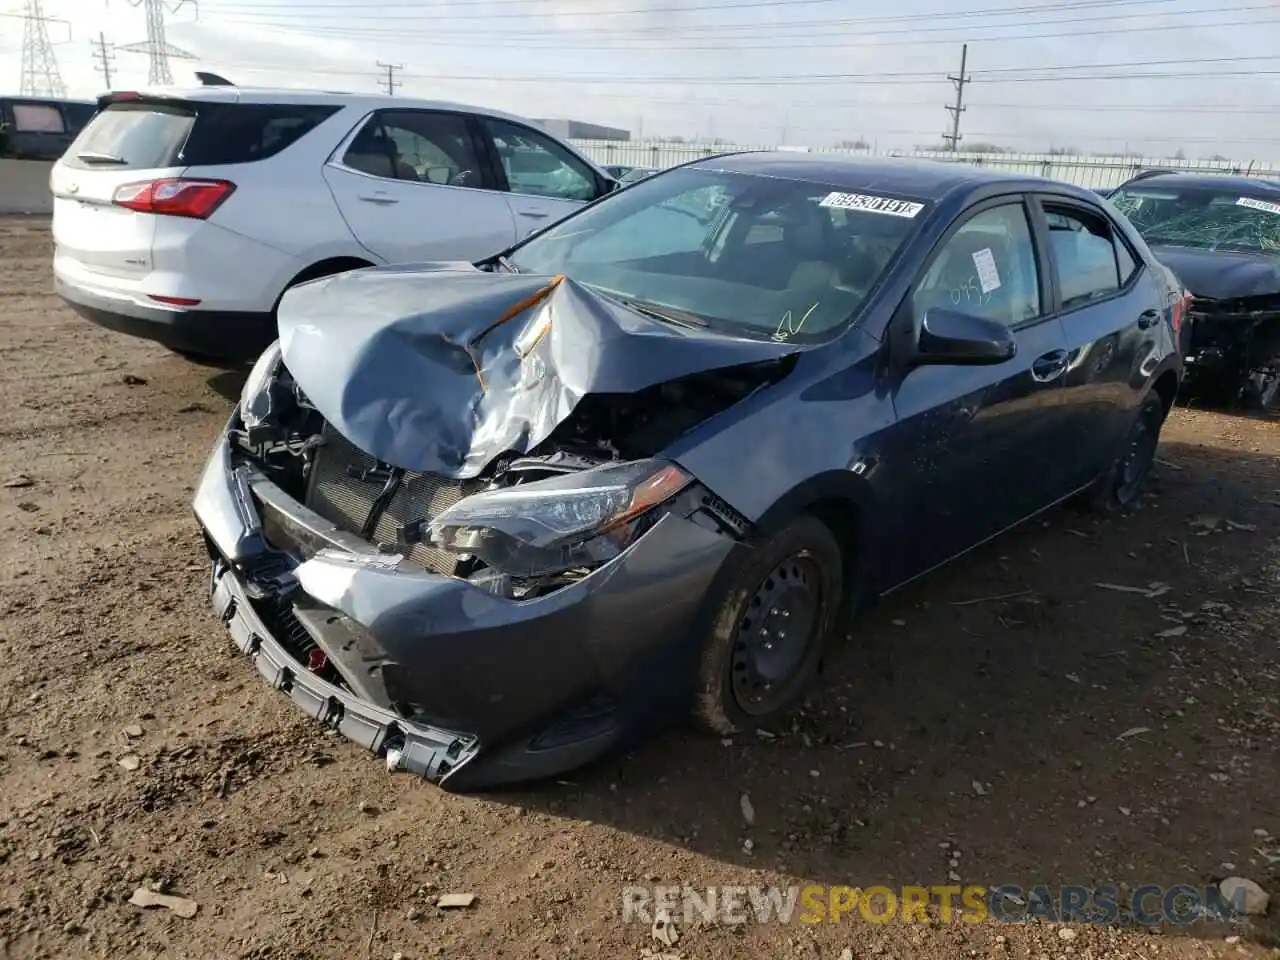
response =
{"points": [[1095, 76]]}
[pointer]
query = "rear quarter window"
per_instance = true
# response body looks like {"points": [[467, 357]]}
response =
{"points": [[141, 134]]}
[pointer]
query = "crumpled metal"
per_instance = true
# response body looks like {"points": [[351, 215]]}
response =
{"points": [[442, 367]]}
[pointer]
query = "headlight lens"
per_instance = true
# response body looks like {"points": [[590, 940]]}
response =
{"points": [[580, 519], [255, 396]]}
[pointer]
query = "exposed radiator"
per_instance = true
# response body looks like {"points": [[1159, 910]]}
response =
{"points": [[346, 500]]}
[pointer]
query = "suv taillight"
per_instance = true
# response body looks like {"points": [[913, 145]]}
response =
{"points": [[174, 198]]}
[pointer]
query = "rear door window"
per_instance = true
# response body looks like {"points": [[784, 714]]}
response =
{"points": [[150, 134], [1084, 247]]}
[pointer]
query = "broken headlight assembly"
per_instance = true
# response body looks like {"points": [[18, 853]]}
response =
{"points": [[578, 520], [256, 397]]}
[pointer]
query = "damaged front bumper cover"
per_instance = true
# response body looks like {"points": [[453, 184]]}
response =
{"points": [[426, 751], [446, 680]]}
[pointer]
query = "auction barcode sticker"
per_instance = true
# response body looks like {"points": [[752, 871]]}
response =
{"points": [[1259, 204], [862, 201]]}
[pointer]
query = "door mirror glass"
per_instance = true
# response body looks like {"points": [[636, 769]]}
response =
{"points": [[953, 337]]}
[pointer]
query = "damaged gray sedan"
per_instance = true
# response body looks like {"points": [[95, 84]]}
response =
{"points": [[493, 521]]}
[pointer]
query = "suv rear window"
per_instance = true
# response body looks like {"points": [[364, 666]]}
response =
{"points": [[150, 134]]}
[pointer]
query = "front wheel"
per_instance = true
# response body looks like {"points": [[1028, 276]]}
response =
{"points": [[1123, 483], [770, 627]]}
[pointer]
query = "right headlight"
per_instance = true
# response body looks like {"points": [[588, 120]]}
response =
{"points": [[255, 396], [576, 520]]}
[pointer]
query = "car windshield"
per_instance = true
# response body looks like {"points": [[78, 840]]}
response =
{"points": [[750, 256], [1211, 219]]}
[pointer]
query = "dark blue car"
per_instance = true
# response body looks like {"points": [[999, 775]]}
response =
{"points": [[492, 521]]}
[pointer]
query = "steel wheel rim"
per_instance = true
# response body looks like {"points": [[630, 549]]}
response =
{"points": [[775, 635]]}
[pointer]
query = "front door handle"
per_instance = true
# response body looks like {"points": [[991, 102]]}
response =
{"points": [[1148, 319], [534, 214], [378, 196], [1051, 366]]}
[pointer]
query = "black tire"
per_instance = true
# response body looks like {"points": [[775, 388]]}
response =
{"points": [[1264, 381], [1122, 485], [798, 572]]}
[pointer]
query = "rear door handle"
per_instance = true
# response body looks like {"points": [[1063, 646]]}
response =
{"points": [[378, 196], [1050, 367], [534, 214], [1148, 319]]}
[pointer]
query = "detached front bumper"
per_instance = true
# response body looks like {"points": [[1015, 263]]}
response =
{"points": [[463, 687]]}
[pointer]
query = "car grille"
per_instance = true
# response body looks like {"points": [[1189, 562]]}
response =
{"points": [[346, 500]]}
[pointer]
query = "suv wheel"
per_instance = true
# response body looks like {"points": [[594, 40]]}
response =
{"points": [[770, 627]]}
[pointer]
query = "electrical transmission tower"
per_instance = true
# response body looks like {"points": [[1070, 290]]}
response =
{"points": [[104, 54], [156, 46], [953, 138], [40, 74], [390, 83]]}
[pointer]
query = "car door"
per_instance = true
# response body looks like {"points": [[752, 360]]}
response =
{"points": [[1110, 311], [545, 180], [976, 449], [413, 185]]}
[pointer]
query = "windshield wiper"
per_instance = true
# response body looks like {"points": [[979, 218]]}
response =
{"points": [[659, 311], [90, 157], [506, 264]]}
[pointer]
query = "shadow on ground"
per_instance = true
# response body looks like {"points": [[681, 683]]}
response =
{"points": [[1072, 734]]}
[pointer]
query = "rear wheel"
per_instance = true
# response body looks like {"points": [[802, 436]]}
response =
{"points": [[770, 627], [1123, 483]]}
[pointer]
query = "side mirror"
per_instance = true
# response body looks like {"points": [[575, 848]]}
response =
{"points": [[952, 337]]}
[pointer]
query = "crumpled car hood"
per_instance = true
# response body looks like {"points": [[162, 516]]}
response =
{"points": [[406, 362], [1221, 275]]}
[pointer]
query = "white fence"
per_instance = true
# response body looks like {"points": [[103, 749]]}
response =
{"points": [[1082, 171]]}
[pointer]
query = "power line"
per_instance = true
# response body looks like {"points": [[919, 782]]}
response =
{"points": [[40, 74], [390, 83], [103, 53], [157, 46], [953, 139], [312, 10], [985, 76], [823, 38]]}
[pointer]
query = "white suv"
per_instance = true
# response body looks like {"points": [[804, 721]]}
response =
{"points": [[183, 216]]}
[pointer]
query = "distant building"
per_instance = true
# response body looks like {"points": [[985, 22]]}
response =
{"points": [[579, 130]]}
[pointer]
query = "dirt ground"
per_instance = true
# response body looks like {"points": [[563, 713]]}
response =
{"points": [[983, 740]]}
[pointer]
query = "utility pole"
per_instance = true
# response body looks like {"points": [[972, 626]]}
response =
{"points": [[104, 54], [157, 47], [953, 138], [391, 82], [40, 74]]}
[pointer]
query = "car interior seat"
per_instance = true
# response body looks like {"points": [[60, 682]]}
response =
{"points": [[376, 154], [809, 238]]}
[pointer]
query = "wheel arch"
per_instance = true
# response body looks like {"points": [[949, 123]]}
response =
{"points": [[843, 501], [324, 268], [1166, 388]]}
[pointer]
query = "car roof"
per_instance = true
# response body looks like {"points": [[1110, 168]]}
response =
{"points": [[362, 101], [906, 176], [1211, 181]]}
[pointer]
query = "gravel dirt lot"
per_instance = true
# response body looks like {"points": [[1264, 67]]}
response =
{"points": [[295, 844]]}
